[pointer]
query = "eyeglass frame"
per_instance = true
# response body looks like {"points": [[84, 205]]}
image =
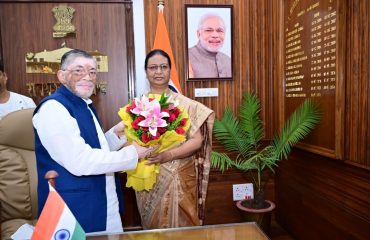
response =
{"points": [[162, 67], [83, 72]]}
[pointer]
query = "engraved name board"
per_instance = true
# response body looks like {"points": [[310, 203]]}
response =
{"points": [[311, 63]]}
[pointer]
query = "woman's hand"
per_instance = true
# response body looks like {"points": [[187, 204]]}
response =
{"points": [[162, 157], [184, 150]]}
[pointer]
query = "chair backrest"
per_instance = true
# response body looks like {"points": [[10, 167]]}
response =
{"points": [[18, 175]]}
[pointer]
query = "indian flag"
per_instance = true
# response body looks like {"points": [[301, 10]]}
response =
{"points": [[57, 221], [162, 41]]}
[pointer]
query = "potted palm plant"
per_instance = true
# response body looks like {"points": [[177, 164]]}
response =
{"points": [[242, 136]]}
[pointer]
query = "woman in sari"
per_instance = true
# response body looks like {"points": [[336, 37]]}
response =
{"points": [[178, 196]]}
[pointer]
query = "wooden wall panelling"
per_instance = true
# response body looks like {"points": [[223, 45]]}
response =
{"points": [[131, 219], [277, 88], [97, 24], [254, 65], [130, 50], [258, 50], [328, 197], [318, 30], [225, 211], [17, 41], [26, 26], [333, 196], [357, 143], [1, 45], [293, 188], [256, 68], [220, 207]]}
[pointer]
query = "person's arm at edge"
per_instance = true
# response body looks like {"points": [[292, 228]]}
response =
{"points": [[60, 135]]}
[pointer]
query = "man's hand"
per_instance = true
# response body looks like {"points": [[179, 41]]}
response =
{"points": [[144, 152], [118, 129]]}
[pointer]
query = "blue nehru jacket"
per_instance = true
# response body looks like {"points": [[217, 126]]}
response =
{"points": [[84, 195]]}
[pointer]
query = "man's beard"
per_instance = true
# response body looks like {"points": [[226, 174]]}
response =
{"points": [[83, 95], [78, 94]]}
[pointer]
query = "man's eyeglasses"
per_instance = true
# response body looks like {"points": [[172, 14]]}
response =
{"points": [[80, 72], [154, 68], [211, 30]]}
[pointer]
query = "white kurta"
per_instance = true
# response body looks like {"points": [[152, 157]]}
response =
{"points": [[60, 135]]}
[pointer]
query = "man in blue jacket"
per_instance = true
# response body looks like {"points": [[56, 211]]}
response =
{"points": [[70, 140]]}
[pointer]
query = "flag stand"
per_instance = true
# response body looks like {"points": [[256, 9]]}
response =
{"points": [[50, 176]]}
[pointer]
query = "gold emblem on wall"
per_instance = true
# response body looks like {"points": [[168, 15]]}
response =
{"points": [[49, 61], [64, 27]]}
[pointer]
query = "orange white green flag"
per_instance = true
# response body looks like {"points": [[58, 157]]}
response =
{"points": [[162, 41], [57, 221]]}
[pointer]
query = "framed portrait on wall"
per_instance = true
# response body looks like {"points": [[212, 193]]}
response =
{"points": [[209, 37]]}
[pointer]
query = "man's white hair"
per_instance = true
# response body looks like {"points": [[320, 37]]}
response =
{"points": [[210, 15]]}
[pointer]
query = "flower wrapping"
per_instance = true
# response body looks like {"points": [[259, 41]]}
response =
{"points": [[149, 121]]}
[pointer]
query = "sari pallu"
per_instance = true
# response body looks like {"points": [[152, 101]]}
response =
{"points": [[179, 195]]}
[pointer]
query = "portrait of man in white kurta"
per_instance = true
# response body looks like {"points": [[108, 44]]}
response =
{"points": [[209, 42]]}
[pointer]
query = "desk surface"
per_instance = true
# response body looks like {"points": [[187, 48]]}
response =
{"points": [[234, 231]]}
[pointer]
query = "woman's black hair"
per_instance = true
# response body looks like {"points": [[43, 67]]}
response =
{"points": [[157, 52]]}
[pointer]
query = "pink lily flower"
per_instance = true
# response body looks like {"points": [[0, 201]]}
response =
{"points": [[143, 106], [154, 119]]}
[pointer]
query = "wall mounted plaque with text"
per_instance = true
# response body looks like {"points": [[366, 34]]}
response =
{"points": [[314, 68]]}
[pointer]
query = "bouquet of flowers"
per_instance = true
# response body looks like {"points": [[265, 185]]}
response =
{"points": [[149, 121]]}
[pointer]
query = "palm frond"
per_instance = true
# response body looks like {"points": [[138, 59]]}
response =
{"points": [[242, 137], [227, 131], [247, 164], [269, 158], [250, 120], [221, 161], [299, 125]]}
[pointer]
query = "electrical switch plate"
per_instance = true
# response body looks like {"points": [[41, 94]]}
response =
{"points": [[242, 191], [206, 92]]}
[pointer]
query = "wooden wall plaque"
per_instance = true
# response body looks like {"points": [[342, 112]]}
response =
{"points": [[314, 68]]}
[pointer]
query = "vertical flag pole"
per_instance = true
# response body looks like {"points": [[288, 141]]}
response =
{"points": [[162, 41]]}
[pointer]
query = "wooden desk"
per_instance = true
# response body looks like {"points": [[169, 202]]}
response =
{"points": [[234, 231]]}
